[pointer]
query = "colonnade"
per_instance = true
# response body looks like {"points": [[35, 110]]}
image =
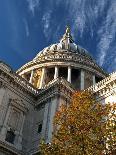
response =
{"points": [[56, 75]]}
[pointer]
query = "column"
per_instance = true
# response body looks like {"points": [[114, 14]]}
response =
{"points": [[82, 79], [94, 82], [42, 82], [31, 77], [56, 72], [69, 74]]}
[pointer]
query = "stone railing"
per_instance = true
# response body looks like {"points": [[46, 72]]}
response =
{"points": [[12, 76], [104, 83], [58, 86], [15, 77], [25, 83], [50, 83], [59, 80]]}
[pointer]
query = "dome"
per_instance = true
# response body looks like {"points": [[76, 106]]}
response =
{"points": [[60, 60], [65, 47]]}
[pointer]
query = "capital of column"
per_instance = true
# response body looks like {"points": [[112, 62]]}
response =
{"points": [[69, 74], [56, 72]]}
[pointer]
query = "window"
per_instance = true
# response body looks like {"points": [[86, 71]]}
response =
{"points": [[10, 136], [39, 128]]}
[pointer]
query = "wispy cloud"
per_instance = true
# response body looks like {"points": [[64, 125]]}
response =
{"points": [[84, 14], [26, 27], [85, 17], [96, 19], [46, 24], [110, 59], [107, 33], [32, 4]]}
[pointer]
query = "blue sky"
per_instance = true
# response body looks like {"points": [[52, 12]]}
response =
{"points": [[27, 26]]}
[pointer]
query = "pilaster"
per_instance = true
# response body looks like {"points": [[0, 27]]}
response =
{"points": [[82, 79]]}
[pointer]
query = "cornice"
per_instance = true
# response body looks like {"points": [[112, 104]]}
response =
{"points": [[18, 82], [57, 87], [65, 64], [66, 57], [104, 88]]}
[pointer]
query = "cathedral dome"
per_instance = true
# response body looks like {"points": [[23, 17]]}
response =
{"points": [[61, 48], [60, 60], [64, 49]]}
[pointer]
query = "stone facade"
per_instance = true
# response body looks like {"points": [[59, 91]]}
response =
{"points": [[30, 97]]}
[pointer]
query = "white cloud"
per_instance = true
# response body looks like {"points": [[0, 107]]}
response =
{"points": [[32, 4], [84, 14], [46, 24], [106, 34]]}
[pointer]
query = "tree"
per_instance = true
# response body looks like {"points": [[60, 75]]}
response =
{"points": [[84, 127]]}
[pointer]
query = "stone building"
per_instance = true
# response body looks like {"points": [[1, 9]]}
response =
{"points": [[30, 96]]}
